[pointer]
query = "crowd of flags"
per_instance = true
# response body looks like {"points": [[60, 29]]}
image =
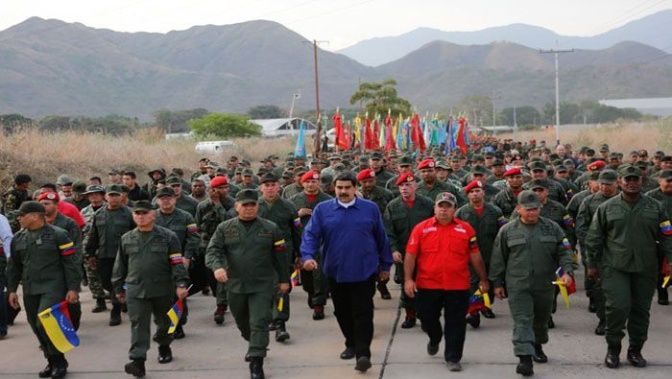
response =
{"points": [[402, 134]]}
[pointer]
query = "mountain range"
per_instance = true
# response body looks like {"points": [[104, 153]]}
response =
{"points": [[648, 30], [52, 67]]}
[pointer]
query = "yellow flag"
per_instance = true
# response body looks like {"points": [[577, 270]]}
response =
{"points": [[666, 280], [563, 291], [281, 303], [486, 298]]}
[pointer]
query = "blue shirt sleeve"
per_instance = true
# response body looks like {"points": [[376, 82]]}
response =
{"points": [[6, 235], [312, 236], [384, 250]]}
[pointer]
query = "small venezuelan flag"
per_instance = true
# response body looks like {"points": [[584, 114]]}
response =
{"points": [[295, 278], [666, 228], [58, 325], [175, 314]]}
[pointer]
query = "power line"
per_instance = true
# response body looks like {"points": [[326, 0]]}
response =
{"points": [[627, 15]]}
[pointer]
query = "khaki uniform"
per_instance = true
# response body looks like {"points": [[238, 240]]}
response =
{"points": [[92, 277]]}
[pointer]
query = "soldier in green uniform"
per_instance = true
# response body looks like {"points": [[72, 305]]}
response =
{"points": [[95, 194], [623, 243], [526, 253], [507, 199], [400, 217], [458, 171], [663, 194], [283, 213], [404, 165], [209, 214], [480, 173], [183, 201], [486, 219], [576, 200], [430, 187], [184, 226], [313, 282], [539, 171], [249, 254], [377, 164], [148, 275], [248, 180], [78, 198], [102, 243], [44, 260], [295, 187], [13, 198], [608, 188]]}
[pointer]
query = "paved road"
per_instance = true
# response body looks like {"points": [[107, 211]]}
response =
{"points": [[211, 351]]}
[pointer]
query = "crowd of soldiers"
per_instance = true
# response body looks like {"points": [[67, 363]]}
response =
{"points": [[538, 213]]}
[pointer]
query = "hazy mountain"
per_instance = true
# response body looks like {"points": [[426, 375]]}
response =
{"points": [[51, 67], [648, 30]]}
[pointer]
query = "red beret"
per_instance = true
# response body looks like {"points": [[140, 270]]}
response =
{"points": [[472, 185], [513, 171], [310, 175], [405, 177], [53, 196], [427, 163], [597, 165], [367, 173], [218, 181]]}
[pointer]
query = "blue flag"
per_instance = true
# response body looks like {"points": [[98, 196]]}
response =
{"points": [[300, 149]]}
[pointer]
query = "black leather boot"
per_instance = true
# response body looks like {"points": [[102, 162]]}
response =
{"points": [[525, 367], [635, 356], [257, 368], [613, 360]]}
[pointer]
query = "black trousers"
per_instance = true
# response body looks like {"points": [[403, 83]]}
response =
{"points": [[353, 306], [454, 304], [105, 267]]}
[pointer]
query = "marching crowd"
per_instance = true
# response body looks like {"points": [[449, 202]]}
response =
{"points": [[504, 219]]}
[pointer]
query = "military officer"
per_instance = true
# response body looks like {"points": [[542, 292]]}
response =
{"points": [[95, 194], [430, 187], [14, 197], [526, 253], [148, 274], [400, 217], [45, 262], [623, 243], [404, 165], [184, 226], [376, 163], [507, 199], [102, 243], [183, 200], [663, 194], [249, 253]]}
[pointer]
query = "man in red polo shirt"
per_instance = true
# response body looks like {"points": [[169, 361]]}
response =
{"points": [[439, 252]]}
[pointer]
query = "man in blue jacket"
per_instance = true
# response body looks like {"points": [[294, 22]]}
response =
{"points": [[356, 252]]}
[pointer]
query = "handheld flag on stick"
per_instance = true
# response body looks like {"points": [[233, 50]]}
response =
{"points": [[666, 281], [296, 278], [564, 290], [486, 298], [58, 326], [175, 314], [477, 303], [665, 270], [300, 149]]}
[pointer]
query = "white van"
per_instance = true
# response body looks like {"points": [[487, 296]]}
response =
{"points": [[214, 147]]}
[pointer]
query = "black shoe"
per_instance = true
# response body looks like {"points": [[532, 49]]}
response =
{"points": [[219, 314], [136, 368], [363, 364], [348, 353], [663, 298], [612, 360], [59, 372], [46, 372], [408, 323], [635, 357], [178, 334], [525, 367], [384, 292], [281, 334], [100, 306], [551, 324], [539, 355], [318, 312], [474, 320], [488, 313], [432, 349], [257, 368], [115, 315], [205, 291], [600, 329], [165, 354]]}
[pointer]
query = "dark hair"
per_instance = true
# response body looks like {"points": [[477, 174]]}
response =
{"points": [[51, 186], [22, 179], [348, 176], [95, 178], [131, 174]]}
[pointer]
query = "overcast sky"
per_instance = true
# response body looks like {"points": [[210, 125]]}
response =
{"points": [[341, 22]]}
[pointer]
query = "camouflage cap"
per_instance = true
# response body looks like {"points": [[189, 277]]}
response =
{"points": [[79, 187], [376, 156], [143, 206], [561, 168], [445, 197], [536, 165], [538, 183], [165, 191], [604, 148], [268, 177], [528, 200], [594, 175], [248, 172], [665, 174], [173, 180], [629, 171], [479, 170], [94, 188], [607, 176], [247, 196], [442, 165], [405, 160], [64, 180], [31, 207], [114, 189]]}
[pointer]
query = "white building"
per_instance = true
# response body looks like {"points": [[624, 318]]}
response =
{"points": [[280, 127]]}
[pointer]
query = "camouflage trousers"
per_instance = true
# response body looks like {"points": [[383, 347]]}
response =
{"points": [[95, 286]]}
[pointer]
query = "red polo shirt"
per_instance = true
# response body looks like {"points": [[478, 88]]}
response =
{"points": [[442, 253]]}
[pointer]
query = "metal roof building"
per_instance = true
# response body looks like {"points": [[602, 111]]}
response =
{"points": [[279, 127]]}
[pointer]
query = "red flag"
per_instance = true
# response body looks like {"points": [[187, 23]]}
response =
{"points": [[461, 135], [369, 143], [416, 133], [376, 134], [341, 142], [348, 136]]}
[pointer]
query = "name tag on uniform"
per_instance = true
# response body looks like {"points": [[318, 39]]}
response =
{"points": [[429, 229], [459, 229]]}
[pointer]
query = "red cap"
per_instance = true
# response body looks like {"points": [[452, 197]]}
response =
{"points": [[53, 196], [367, 173], [218, 181], [513, 171], [472, 185], [310, 175], [405, 177], [427, 163], [597, 165]]}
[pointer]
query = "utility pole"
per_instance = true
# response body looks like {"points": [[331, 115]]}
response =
{"points": [[295, 96], [318, 133], [495, 94], [557, 89]]}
